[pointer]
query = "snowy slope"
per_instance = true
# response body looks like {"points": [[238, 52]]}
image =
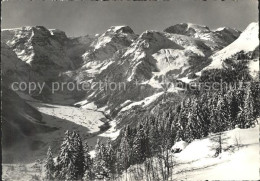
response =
{"points": [[240, 164], [248, 41], [238, 161], [143, 103]]}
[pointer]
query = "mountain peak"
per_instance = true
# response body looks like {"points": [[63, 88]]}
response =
{"points": [[227, 30], [187, 29], [121, 29], [114, 39], [247, 42]]}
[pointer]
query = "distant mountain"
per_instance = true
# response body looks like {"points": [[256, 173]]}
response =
{"points": [[117, 55], [46, 51], [222, 36], [247, 44], [42, 49]]}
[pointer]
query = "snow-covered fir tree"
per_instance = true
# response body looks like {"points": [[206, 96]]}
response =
{"points": [[139, 146], [79, 155], [49, 165], [67, 159]]}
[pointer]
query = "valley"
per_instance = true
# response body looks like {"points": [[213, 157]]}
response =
{"points": [[137, 124]]}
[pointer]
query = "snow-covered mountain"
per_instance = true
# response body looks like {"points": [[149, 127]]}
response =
{"points": [[44, 50], [247, 43], [223, 36], [119, 55], [14, 69], [114, 39]]}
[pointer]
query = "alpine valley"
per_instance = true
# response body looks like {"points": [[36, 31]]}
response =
{"points": [[158, 127]]}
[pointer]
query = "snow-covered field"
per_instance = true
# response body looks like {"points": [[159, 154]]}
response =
{"points": [[82, 117]]}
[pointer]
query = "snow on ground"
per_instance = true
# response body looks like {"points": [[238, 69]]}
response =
{"points": [[239, 159], [154, 83], [85, 104], [90, 105], [22, 172], [180, 145], [253, 67], [81, 103], [170, 59], [112, 132], [247, 42], [241, 162], [82, 117], [145, 102], [186, 80]]}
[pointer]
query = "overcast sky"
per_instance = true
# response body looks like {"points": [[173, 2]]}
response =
{"points": [[90, 17]]}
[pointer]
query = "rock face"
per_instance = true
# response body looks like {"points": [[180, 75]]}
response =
{"points": [[41, 48], [14, 69], [114, 39]]}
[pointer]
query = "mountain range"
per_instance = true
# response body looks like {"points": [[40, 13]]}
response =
{"points": [[179, 53]]}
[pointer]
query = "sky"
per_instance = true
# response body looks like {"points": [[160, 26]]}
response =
{"points": [[90, 17]]}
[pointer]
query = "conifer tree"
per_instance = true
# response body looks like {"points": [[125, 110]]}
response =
{"points": [[88, 160], [139, 146], [98, 161], [110, 158], [49, 165], [195, 125], [67, 159], [79, 155], [124, 153], [219, 115], [88, 174], [248, 111], [233, 109], [154, 139]]}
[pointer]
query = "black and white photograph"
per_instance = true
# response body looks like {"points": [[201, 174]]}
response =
{"points": [[122, 90]]}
